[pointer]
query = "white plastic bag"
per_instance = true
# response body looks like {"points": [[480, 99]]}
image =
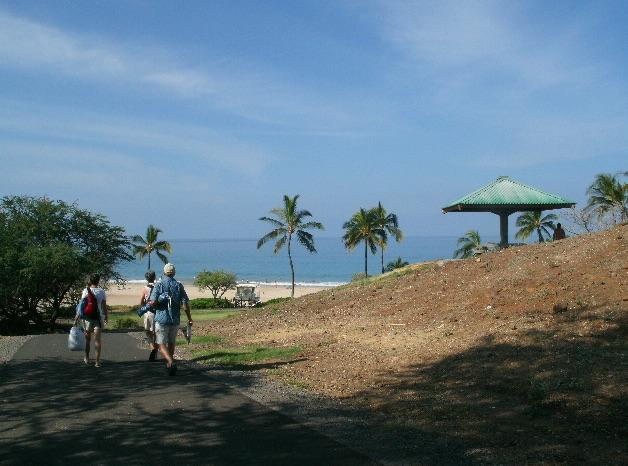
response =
{"points": [[76, 340]]}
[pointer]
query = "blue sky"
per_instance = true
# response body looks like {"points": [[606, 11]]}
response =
{"points": [[199, 116]]}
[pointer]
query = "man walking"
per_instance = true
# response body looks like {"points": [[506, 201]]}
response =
{"points": [[166, 298]]}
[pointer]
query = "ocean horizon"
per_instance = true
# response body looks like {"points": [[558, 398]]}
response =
{"points": [[332, 265]]}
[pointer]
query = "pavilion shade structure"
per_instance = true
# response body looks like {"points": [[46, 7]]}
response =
{"points": [[505, 196]]}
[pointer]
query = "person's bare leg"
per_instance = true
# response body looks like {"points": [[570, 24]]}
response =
{"points": [[97, 344], [163, 349], [171, 350], [88, 338]]}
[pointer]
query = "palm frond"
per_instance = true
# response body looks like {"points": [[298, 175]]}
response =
{"points": [[279, 244], [272, 221], [163, 246], [307, 240], [316, 225], [138, 239], [163, 258], [268, 236]]}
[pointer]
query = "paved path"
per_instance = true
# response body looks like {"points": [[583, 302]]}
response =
{"points": [[56, 410]]}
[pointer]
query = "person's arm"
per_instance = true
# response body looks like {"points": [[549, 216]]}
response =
{"points": [[106, 311], [186, 306], [77, 316]]}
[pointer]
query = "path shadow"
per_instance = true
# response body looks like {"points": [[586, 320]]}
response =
{"points": [[545, 396], [63, 412]]}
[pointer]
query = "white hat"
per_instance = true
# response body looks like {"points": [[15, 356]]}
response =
{"points": [[169, 269]]}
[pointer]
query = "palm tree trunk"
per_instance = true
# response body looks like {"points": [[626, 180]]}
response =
{"points": [[148, 261], [291, 265], [382, 260], [366, 267]]}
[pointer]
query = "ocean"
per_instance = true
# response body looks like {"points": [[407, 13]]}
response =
{"points": [[332, 265]]}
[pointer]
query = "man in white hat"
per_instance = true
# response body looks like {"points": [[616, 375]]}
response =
{"points": [[166, 298]]}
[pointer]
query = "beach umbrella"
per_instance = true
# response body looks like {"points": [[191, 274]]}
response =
{"points": [[505, 196]]}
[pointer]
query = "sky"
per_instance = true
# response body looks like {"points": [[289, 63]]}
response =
{"points": [[199, 116]]}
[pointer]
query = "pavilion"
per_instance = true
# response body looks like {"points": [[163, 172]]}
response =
{"points": [[505, 196]]}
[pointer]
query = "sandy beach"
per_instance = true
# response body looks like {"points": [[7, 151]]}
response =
{"points": [[130, 294]]}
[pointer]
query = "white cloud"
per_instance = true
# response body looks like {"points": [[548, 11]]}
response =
{"points": [[482, 38], [239, 88], [138, 139]]}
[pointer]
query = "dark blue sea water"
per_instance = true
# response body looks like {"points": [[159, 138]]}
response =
{"points": [[332, 264]]}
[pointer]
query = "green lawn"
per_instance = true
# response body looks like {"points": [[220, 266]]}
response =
{"points": [[243, 355], [201, 340], [129, 318]]}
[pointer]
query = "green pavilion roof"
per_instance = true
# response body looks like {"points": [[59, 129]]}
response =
{"points": [[505, 194]]}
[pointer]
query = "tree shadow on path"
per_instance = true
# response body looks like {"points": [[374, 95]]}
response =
{"points": [[541, 396], [56, 411]]}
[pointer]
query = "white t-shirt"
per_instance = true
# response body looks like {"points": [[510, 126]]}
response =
{"points": [[100, 297]]}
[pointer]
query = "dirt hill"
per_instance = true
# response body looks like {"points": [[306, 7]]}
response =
{"points": [[524, 348]]}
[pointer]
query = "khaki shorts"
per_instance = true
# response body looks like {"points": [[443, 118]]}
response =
{"points": [[91, 325], [149, 322], [165, 334]]}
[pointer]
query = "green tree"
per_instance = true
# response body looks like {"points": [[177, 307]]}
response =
{"points": [[288, 222], [389, 224], [145, 247], [396, 264], [529, 222], [47, 250], [609, 196], [217, 282], [363, 226], [468, 243]]}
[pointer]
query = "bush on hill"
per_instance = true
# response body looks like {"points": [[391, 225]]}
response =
{"points": [[274, 301], [210, 303]]}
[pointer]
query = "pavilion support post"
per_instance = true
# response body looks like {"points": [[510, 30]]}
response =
{"points": [[503, 228]]}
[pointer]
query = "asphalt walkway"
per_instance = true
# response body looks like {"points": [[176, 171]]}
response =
{"points": [[56, 410]]}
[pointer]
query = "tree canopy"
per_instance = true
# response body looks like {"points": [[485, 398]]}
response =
{"points": [[143, 247], [608, 196], [364, 226], [535, 221], [288, 221], [468, 244], [217, 282], [47, 250]]}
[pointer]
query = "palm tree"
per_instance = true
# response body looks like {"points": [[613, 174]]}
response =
{"points": [[289, 222], [143, 247], [468, 243], [608, 195], [363, 226], [396, 264], [534, 221], [390, 226]]}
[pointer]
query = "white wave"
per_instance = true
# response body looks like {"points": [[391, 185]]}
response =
{"points": [[260, 283]]}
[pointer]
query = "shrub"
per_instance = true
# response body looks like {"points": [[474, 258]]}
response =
{"points": [[274, 301], [210, 303], [359, 277], [126, 322], [396, 264]]}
